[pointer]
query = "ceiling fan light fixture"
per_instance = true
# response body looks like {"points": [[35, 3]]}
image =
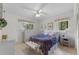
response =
{"points": [[37, 15]]}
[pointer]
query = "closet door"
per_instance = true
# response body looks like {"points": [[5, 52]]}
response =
{"points": [[21, 32]]}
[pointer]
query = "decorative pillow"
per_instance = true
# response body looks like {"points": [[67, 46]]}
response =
{"points": [[45, 33], [51, 33]]}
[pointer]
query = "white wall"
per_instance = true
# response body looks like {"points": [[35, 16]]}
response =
{"points": [[25, 34], [71, 31], [55, 20], [12, 28], [35, 31]]}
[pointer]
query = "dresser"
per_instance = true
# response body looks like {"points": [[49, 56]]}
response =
{"points": [[65, 41]]}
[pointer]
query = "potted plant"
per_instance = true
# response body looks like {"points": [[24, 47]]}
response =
{"points": [[3, 23]]}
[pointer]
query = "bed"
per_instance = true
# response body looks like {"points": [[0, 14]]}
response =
{"points": [[45, 41]]}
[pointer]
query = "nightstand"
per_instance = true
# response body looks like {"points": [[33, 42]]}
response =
{"points": [[65, 41]]}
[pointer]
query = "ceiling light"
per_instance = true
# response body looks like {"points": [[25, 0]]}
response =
{"points": [[37, 15]]}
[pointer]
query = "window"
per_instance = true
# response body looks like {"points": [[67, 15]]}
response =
{"points": [[63, 25], [28, 25]]}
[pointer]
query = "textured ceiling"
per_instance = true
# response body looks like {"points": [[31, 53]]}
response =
{"points": [[27, 9]]}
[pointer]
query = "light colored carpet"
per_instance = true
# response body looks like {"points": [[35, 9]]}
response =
{"points": [[7, 47], [22, 49]]}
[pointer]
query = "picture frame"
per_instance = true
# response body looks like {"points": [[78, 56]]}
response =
{"points": [[63, 25], [50, 26], [29, 26]]}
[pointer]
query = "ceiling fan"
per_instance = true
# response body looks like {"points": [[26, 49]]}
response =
{"points": [[38, 12]]}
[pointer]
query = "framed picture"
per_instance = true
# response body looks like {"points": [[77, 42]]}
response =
{"points": [[50, 26], [4, 37], [29, 26], [63, 25]]}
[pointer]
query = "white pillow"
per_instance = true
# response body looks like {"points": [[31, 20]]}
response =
{"points": [[45, 33]]}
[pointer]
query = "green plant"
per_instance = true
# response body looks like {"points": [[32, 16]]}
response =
{"points": [[3, 23]]}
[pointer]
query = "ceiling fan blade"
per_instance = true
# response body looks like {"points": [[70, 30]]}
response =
{"points": [[42, 6], [44, 13], [28, 8]]}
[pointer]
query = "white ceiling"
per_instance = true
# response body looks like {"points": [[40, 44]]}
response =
{"points": [[51, 9]]}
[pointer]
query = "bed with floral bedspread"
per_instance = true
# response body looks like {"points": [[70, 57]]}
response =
{"points": [[45, 41]]}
